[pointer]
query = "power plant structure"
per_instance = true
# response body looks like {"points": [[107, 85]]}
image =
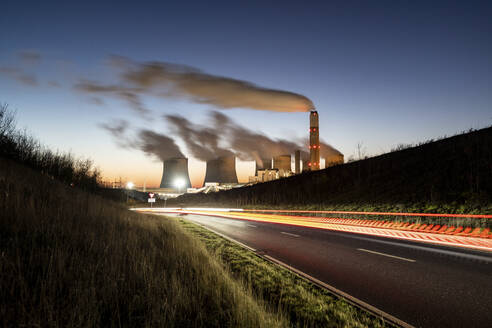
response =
{"points": [[297, 162], [314, 159], [282, 162], [175, 174], [221, 170], [265, 164], [283, 165]]}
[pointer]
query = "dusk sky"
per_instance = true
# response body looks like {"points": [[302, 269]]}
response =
{"points": [[378, 72]]}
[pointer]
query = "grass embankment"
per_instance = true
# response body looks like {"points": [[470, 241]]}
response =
{"points": [[68, 258], [304, 303], [452, 175]]}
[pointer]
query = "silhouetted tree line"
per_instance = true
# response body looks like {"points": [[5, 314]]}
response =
{"points": [[23, 148]]}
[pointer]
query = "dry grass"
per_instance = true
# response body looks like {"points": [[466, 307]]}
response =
{"points": [[305, 304], [68, 258]]}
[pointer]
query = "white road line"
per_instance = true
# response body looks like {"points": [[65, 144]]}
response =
{"points": [[290, 234], [250, 225], [388, 255]]}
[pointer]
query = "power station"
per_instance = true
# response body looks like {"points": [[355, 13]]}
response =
{"points": [[221, 172]]}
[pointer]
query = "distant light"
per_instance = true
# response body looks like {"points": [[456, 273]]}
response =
{"points": [[130, 185], [179, 183]]}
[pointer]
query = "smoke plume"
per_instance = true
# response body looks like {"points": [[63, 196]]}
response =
{"points": [[170, 80], [250, 145], [159, 145], [149, 142], [202, 142], [327, 151]]}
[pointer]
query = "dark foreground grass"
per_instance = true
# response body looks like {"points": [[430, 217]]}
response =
{"points": [[305, 304], [71, 259]]}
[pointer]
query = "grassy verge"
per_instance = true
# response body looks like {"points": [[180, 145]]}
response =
{"points": [[305, 304], [69, 258]]}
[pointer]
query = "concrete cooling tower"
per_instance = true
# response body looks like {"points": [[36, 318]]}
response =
{"points": [[175, 174], [282, 162], [221, 170]]}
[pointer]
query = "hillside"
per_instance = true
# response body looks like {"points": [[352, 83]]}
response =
{"points": [[73, 259], [452, 174]]}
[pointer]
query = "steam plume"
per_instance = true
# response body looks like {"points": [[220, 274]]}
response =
{"points": [[150, 142], [250, 145], [202, 142], [169, 80]]}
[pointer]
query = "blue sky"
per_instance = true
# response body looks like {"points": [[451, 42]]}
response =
{"points": [[378, 72]]}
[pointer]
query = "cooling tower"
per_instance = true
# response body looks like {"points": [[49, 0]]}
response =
{"points": [[313, 141], [297, 162], [265, 164], [221, 170], [175, 174], [282, 162]]}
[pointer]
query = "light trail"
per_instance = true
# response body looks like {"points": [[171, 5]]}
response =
{"points": [[444, 215], [337, 224]]}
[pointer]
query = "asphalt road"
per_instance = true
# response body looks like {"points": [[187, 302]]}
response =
{"points": [[421, 284]]}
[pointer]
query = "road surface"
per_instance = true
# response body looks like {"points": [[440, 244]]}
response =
{"points": [[424, 285]]}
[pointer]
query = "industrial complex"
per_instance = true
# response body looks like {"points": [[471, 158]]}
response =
{"points": [[221, 172]]}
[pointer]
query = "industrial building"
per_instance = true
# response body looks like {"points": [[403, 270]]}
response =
{"points": [[175, 174], [282, 163], [263, 164], [221, 170], [314, 158]]}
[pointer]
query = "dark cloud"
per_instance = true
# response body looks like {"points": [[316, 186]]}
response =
{"points": [[170, 80], [19, 75], [30, 57], [128, 94], [54, 84]]}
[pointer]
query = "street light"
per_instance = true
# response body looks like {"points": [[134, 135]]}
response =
{"points": [[129, 186], [179, 183]]}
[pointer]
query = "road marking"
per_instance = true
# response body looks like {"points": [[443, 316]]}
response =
{"points": [[349, 298], [388, 255], [250, 225], [290, 234]]}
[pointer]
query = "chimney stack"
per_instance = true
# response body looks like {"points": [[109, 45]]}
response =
{"points": [[314, 159]]}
